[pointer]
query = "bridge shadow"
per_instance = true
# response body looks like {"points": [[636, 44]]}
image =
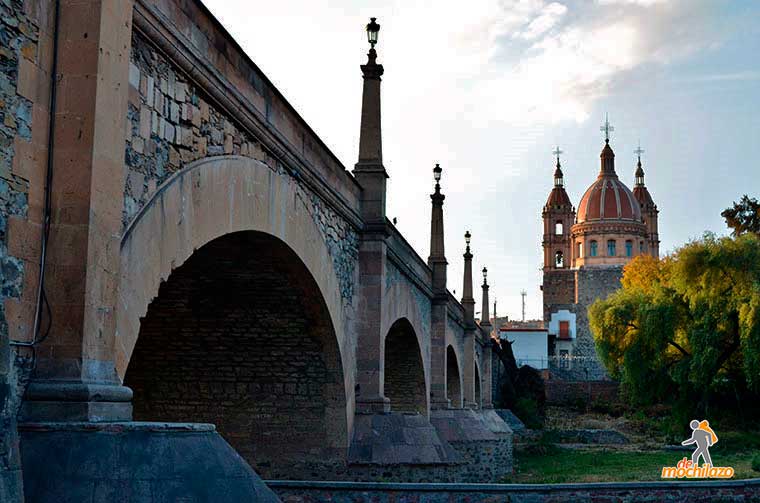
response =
{"points": [[453, 381], [404, 370], [240, 336]]}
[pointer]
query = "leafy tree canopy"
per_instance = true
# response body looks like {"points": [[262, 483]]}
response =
{"points": [[687, 326], [743, 216]]}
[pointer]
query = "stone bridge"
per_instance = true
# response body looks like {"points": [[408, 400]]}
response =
{"points": [[209, 260]]}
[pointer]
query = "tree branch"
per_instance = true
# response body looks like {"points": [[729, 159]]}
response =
{"points": [[679, 347]]}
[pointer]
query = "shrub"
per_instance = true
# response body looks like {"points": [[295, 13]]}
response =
{"points": [[756, 462], [527, 410]]}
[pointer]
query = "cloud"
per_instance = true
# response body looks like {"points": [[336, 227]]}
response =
{"points": [[549, 17]]}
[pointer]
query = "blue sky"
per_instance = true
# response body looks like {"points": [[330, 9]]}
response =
{"points": [[488, 88]]}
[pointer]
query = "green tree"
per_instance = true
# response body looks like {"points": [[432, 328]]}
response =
{"points": [[686, 326], [743, 216]]}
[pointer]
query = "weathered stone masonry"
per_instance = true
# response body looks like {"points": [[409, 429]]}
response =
{"points": [[171, 123], [19, 35]]}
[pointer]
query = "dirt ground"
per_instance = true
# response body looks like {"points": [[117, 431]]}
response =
{"points": [[641, 435]]}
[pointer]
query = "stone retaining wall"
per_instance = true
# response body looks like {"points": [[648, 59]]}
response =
{"points": [[623, 492], [559, 392]]}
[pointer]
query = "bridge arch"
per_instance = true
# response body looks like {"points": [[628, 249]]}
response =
{"points": [[453, 378], [404, 371], [261, 349]]}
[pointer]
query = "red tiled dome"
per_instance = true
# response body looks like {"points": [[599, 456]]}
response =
{"points": [[608, 198]]}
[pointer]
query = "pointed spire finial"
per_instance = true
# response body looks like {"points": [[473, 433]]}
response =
{"points": [[607, 128], [638, 152], [558, 177], [557, 152], [639, 170]]}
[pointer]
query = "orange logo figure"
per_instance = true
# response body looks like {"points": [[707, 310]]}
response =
{"points": [[704, 437]]}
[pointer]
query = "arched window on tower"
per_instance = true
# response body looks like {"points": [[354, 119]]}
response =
{"points": [[594, 250], [611, 248], [558, 228], [629, 248], [559, 259], [579, 249]]}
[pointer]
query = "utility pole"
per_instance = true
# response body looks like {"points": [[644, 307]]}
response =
{"points": [[523, 293]]}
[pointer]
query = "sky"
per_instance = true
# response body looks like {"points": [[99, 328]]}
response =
{"points": [[488, 88]]}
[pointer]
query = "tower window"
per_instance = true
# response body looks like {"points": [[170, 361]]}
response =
{"points": [[629, 248], [559, 259], [641, 246], [593, 249], [579, 250], [611, 247], [558, 228]]}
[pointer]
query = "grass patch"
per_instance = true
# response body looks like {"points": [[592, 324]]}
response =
{"points": [[553, 464]]}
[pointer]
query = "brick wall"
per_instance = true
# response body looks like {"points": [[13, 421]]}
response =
{"points": [[558, 288], [404, 374], [239, 337], [587, 284]]}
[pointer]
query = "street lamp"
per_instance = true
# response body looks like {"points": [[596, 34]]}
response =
{"points": [[372, 30], [485, 274], [437, 173], [467, 237]]}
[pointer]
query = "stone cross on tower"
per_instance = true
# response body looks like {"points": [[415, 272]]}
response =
{"points": [[557, 152], [638, 152], [607, 128]]}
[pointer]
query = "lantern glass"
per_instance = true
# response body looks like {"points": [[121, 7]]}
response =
{"points": [[372, 31], [485, 274], [467, 237], [437, 173]]}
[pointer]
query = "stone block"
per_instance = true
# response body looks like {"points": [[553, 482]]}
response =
{"points": [[174, 112], [145, 122], [150, 86], [154, 122], [134, 75], [180, 91]]}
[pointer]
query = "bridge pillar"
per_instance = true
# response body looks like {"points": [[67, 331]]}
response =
{"points": [[75, 378], [371, 175], [439, 316], [468, 303], [485, 326]]}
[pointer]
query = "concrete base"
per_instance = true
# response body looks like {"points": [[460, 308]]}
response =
{"points": [[131, 461]]}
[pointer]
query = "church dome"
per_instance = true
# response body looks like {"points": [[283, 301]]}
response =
{"points": [[608, 198]]}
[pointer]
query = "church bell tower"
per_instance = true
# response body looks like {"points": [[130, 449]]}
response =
{"points": [[558, 216]]}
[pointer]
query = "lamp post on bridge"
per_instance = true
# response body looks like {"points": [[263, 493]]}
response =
{"points": [[371, 175]]}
